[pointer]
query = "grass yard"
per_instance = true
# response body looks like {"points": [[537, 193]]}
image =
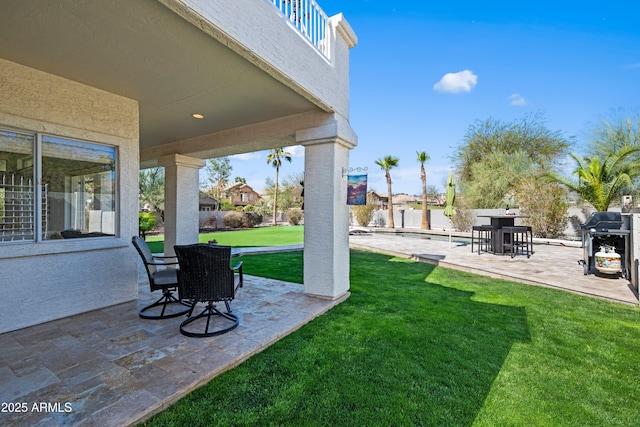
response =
{"points": [[422, 345], [261, 236]]}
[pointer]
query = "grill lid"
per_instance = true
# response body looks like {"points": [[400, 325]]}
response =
{"points": [[602, 221]]}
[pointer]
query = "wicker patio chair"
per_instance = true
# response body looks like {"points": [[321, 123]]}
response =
{"points": [[205, 276], [163, 279]]}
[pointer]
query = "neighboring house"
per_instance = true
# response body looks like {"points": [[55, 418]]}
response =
{"points": [[401, 200], [437, 200], [207, 204], [381, 201], [93, 91], [242, 194]]}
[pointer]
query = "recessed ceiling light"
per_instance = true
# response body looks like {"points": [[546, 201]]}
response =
{"points": [[197, 116]]}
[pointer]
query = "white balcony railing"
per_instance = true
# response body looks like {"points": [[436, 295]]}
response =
{"points": [[309, 19], [305, 15]]}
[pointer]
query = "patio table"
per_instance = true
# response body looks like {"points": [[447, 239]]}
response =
{"points": [[499, 221]]}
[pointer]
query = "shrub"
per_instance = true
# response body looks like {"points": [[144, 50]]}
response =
{"points": [[546, 204], [364, 213], [464, 219], [210, 222], [233, 219], [226, 205], [146, 223], [251, 219], [294, 216]]}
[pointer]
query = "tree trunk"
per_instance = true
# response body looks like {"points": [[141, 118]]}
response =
{"points": [[275, 198], [425, 216], [391, 224]]}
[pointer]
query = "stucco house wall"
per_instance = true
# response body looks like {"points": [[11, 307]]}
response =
{"points": [[75, 275]]}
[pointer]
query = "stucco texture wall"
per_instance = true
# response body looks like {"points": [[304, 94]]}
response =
{"points": [[53, 279]]}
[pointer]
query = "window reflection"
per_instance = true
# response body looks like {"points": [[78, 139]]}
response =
{"points": [[78, 181], [16, 186]]}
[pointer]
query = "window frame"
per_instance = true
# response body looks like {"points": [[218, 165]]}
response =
{"points": [[37, 212]]}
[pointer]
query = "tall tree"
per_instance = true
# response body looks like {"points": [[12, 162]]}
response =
{"points": [[487, 140], [614, 132], [218, 171], [387, 163], [152, 189], [600, 182], [422, 158], [621, 128], [275, 157], [495, 177]]}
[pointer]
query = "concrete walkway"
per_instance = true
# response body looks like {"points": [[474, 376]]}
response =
{"points": [[551, 265]]}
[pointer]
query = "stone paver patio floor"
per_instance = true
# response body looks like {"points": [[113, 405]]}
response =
{"points": [[111, 368]]}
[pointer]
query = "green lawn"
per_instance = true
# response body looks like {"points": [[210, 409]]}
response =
{"points": [[422, 345], [261, 236]]}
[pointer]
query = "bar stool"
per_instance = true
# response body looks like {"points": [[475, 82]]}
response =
{"points": [[518, 238], [484, 237]]}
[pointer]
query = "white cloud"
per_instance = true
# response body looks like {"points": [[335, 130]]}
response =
{"points": [[517, 99], [247, 156], [295, 151], [462, 81]]}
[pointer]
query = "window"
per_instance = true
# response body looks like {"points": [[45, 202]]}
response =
{"points": [[16, 186], [77, 195]]}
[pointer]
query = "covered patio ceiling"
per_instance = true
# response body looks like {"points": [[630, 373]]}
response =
{"points": [[149, 52]]}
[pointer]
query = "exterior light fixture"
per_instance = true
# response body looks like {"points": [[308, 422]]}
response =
{"points": [[197, 116]]}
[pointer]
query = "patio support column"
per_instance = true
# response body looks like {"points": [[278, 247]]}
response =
{"points": [[326, 214], [181, 220]]}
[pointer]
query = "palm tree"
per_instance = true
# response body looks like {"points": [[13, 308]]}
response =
{"points": [[422, 158], [385, 164], [275, 158], [601, 182]]}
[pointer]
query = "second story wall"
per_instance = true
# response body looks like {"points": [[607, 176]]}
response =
{"points": [[262, 34]]}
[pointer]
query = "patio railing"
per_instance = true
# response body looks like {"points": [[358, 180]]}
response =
{"points": [[309, 19], [304, 15]]}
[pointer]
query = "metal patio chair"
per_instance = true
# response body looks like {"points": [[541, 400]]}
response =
{"points": [[162, 279]]}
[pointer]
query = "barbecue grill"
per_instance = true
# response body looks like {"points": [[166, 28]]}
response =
{"points": [[604, 230]]}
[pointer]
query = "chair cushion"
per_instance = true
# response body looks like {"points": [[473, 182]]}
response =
{"points": [[165, 277]]}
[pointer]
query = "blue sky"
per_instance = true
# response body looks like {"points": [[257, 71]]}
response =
{"points": [[424, 71]]}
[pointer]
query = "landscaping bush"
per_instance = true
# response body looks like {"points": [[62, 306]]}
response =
{"points": [[226, 205], [233, 219], [464, 219], [294, 216], [251, 219], [546, 203], [210, 222], [146, 223], [364, 213]]}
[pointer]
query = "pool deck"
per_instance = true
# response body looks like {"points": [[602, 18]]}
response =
{"points": [[553, 265]]}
